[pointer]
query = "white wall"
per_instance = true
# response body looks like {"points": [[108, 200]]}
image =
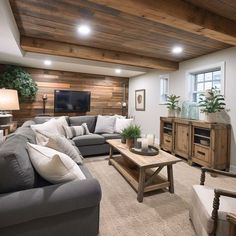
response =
{"points": [[149, 120]]}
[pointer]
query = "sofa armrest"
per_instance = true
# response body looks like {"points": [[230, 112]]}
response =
{"points": [[26, 205]]}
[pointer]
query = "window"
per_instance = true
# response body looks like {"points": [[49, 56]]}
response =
{"points": [[205, 79], [164, 88]]}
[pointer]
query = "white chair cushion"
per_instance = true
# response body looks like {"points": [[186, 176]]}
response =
{"points": [[202, 200], [122, 124]]}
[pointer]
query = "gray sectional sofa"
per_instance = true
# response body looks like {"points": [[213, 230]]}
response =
{"points": [[92, 144], [30, 206]]}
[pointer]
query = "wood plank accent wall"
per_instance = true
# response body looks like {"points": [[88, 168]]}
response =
{"points": [[106, 92]]}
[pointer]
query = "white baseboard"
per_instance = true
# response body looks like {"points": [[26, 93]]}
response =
{"points": [[233, 168]]}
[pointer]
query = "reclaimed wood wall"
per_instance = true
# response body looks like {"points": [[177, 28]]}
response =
{"points": [[106, 92]]}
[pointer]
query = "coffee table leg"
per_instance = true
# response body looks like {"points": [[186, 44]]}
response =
{"points": [[110, 155], [141, 184], [170, 178]]}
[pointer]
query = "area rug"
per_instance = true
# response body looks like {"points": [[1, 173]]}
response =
{"points": [[160, 214]]}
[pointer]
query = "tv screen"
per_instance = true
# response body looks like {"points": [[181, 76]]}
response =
{"points": [[71, 101]]}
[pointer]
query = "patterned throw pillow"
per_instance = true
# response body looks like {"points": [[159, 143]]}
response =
{"points": [[73, 131]]}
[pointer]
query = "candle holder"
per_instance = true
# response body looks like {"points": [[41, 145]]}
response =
{"points": [[45, 98]]}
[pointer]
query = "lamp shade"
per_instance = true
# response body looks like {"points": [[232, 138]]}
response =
{"points": [[9, 100]]}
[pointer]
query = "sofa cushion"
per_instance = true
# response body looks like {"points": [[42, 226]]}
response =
{"points": [[90, 139], [59, 143], [122, 124], [79, 120], [203, 196], [16, 171], [42, 119], [54, 166], [105, 124], [49, 126], [27, 132], [111, 136]]}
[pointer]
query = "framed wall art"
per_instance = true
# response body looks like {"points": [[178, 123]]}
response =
{"points": [[140, 100]]}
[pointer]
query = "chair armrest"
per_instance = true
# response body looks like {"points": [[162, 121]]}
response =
{"points": [[30, 204], [214, 171], [216, 204]]}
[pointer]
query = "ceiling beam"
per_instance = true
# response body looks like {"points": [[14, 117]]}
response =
{"points": [[179, 14], [84, 52]]}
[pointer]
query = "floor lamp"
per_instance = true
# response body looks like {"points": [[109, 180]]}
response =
{"points": [[8, 102]]}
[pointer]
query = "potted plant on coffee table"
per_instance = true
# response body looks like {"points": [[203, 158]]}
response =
{"points": [[212, 103], [173, 105], [131, 133]]}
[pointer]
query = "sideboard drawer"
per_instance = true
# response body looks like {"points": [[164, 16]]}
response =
{"points": [[202, 153], [167, 144]]}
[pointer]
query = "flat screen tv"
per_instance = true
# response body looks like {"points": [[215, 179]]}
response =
{"points": [[71, 101]]}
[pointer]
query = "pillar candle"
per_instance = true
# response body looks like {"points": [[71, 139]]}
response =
{"points": [[150, 138], [144, 144]]}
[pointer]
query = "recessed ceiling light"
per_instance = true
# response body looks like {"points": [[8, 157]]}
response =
{"points": [[47, 62], [177, 50], [118, 71], [84, 29]]}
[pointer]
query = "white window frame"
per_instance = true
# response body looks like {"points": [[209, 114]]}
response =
{"points": [[165, 77], [204, 69]]}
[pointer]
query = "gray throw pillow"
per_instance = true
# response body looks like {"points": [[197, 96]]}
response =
{"points": [[16, 171], [105, 124], [59, 143]]}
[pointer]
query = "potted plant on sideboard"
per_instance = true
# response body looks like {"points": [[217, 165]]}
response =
{"points": [[212, 103], [173, 105], [131, 133]]}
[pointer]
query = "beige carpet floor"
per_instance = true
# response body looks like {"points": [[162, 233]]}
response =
{"points": [[160, 214]]}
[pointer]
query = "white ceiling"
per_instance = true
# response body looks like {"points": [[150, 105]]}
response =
{"points": [[11, 53]]}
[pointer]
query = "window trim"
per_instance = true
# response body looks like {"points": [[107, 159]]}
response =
{"points": [[161, 77], [204, 69]]}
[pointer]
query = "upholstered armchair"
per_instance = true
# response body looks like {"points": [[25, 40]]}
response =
{"points": [[212, 210]]}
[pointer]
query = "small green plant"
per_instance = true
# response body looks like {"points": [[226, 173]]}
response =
{"points": [[212, 101], [173, 103], [15, 77], [131, 132]]}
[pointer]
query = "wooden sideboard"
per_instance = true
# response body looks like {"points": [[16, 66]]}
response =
{"points": [[207, 144]]}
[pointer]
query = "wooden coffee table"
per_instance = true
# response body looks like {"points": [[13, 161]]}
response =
{"points": [[142, 172]]}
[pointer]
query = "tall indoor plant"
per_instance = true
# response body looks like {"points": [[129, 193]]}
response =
{"points": [[15, 77], [173, 105], [212, 103]]}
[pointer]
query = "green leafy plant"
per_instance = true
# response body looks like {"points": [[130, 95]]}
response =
{"points": [[15, 77], [212, 101], [173, 102], [131, 132]]}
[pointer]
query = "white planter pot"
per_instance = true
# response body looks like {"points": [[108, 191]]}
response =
{"points": [[171, 113], [218, 117]]}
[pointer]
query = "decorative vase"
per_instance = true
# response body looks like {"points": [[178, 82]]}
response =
{"points": [[130, 142]]}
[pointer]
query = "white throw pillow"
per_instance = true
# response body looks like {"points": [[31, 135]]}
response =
{"points": [[61, 122], [54, 166], [73, 131], [122, 124], [105, 124], [59, 143], [50, 126]]}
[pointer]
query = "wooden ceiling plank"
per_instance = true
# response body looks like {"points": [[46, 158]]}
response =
{"points": [[69, 50], [179, 14]]}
